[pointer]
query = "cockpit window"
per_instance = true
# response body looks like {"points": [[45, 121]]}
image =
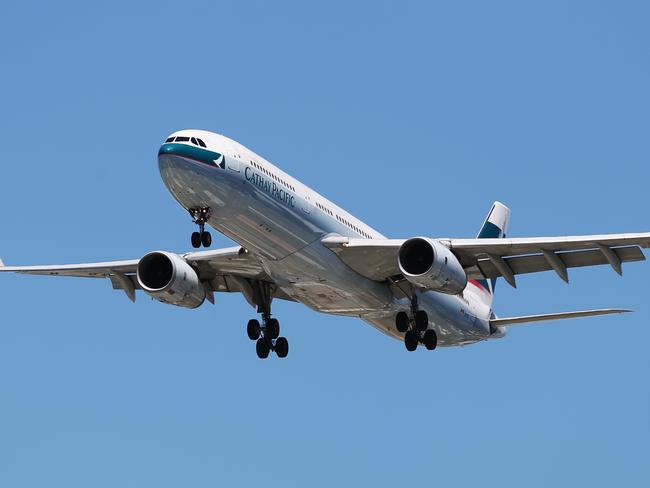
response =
{"points": [[201, 143], [170, 139], [182, 139], [194, 141]]}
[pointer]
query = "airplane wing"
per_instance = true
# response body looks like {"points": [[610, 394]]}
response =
{"points": [[491, 258], [226, 270]]}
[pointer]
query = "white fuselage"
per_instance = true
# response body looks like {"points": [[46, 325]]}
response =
{"points": [[281, 222]]}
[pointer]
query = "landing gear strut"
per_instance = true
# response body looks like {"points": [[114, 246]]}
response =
{"points": [[266, 334], [416, 328], [200, 216]]}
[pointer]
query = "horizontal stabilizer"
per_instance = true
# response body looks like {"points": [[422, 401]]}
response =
{"points": [[555, 316]]}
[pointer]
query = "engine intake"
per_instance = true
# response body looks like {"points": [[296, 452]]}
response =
{"points": [[168, 278], [428, 264]]}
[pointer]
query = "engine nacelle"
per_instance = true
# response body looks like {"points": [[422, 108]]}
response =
{"points": [[168, 278], [428, 264]]}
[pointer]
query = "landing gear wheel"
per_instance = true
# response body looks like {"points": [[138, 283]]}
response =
{"points": [[430, 340], [196, 239], [206, 239], [262, 348], [282, 347], [272, 330], [253, 329], [421, 320], [411, 339], [402, 321]]}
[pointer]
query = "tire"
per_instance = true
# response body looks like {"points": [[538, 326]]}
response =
{"points": [[421, 320], [282, 347], [206, 239], [262, 348], [253, 329], [196, 239], [272, 330], [411, 339], [430, 339], [402, 321]]}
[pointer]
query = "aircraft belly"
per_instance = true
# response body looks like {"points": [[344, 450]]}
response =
{"points": [[254, 219], [453, 321], [317, 278], [285, 239]]}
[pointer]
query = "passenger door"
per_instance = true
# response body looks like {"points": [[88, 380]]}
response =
{"points": [[306, 203], [233, 162]]}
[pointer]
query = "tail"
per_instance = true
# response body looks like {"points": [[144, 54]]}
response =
{"points": [[495, 226]]}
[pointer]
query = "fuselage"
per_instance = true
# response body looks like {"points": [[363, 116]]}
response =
{"points": [[282, 222]]}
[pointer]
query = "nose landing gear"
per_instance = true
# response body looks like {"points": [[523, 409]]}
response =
{"points": [[200, 216], [416, 328]]}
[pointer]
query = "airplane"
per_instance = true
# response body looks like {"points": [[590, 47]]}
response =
{"points": [[294, 244]]}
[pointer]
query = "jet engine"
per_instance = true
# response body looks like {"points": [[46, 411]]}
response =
{"points": [[428, 264], [168, 278]]}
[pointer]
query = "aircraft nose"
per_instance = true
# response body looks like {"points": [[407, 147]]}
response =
{"points": [[172, 151]]}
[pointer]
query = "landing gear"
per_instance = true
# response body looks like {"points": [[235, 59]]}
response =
{"points": [[206, 239], [416, 330], [262, 347], [430, 339], [272, 330], [253, 329], [421, 320], [411, 339], [402, 322], [282, 347], [269, 340], [196, 239], [200, 216], [266, 334]]}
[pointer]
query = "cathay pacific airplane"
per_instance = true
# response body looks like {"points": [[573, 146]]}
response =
{"points": [[294, 244]]}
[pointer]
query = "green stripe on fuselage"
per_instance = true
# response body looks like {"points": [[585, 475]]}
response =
{"points": [[205, 156]]}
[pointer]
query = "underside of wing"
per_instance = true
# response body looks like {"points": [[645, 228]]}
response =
{"points": [[224, 270], [373, 258], [491, 258]]}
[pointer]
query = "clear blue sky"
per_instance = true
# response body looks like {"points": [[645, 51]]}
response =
{"points": [[414, 117]]}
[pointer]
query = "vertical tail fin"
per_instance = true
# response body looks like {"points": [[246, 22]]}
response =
{"points": [[496, 222], [495, 226]]}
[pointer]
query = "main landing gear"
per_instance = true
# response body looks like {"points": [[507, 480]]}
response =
{"points": [[267, 334], [416, 328], [200, 216], [267, 337]]}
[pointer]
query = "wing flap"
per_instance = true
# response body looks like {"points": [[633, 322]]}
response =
{"points": [[527, 245], [534, 263]]}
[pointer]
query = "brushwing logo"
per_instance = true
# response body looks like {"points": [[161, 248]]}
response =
{"points": [[220, 161]]}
